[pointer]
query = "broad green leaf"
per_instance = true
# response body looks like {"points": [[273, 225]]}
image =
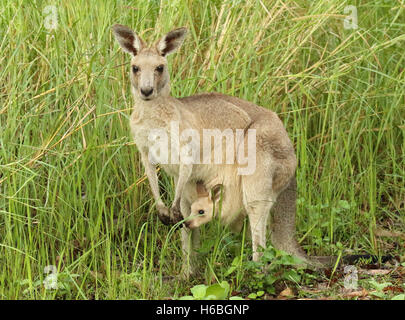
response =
{"points": [[292, 275], [219, 290], [199, 291], [260, 293], [252, 296]]}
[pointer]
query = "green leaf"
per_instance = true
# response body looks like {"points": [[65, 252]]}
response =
{"points": [[236, 298], [252, 296], [37, 283], [24, 282], [219, 290], [339, 245], [207, 246], [290, 260], [187, 298], [226, 286], [291, 275], [269, 255], [270, 279], [260, 293], [199, 291], [271, 290], [399, 297], [379, 286], [234, 265], [378, 294], [230, 271], [344, 204]]}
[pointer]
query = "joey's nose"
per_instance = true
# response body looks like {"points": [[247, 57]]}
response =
{"points": [[147, 92]]}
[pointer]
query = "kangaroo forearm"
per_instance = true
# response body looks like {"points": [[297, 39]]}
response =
{"points": [[184, 175], [150, 171]]}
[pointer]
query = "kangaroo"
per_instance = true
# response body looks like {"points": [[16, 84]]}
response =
{"points": [[154, 108], [224, 200]]}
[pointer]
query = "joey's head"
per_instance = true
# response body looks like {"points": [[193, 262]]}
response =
{"points": [[149, 73], [205, 207]]}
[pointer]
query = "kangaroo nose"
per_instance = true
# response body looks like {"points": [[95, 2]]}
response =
{"points": [[147, 92]]}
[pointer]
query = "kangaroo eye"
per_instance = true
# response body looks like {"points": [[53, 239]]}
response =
{"points": [[201, 211], [135, 69], [160, 68]]}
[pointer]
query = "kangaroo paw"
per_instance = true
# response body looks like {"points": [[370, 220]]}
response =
{"points": [[175, 215], [163, 214]]}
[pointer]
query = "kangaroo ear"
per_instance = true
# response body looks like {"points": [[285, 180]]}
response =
{"points": [[127, 39], [216, 192], [201, 191], [171, 41]]}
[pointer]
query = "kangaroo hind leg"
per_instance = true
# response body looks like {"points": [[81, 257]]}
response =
{"points": [[258, 200]]}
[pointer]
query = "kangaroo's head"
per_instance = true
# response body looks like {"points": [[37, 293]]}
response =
{"points": [[205, 207], [149, 74]]}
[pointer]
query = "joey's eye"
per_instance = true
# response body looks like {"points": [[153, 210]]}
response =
{"points": [[160, 68], [135, 69], [201, 211]]}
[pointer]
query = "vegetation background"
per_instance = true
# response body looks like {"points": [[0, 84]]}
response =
{"points": [[73, 192]]}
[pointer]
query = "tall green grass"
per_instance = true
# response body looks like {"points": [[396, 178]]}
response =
{"points": [[72, 189]]}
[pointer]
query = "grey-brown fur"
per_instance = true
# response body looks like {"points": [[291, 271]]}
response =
{"points": [[275, 157]]}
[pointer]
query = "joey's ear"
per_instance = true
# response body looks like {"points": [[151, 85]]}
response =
{"points": [[128, 40], [216, 192], [171, 41], [201, 191]]}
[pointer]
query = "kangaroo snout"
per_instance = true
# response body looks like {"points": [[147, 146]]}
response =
{"points": [[146, 92], [189, 224]]}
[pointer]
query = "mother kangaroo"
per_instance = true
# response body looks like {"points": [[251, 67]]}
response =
{"points": [[271, 182]]}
